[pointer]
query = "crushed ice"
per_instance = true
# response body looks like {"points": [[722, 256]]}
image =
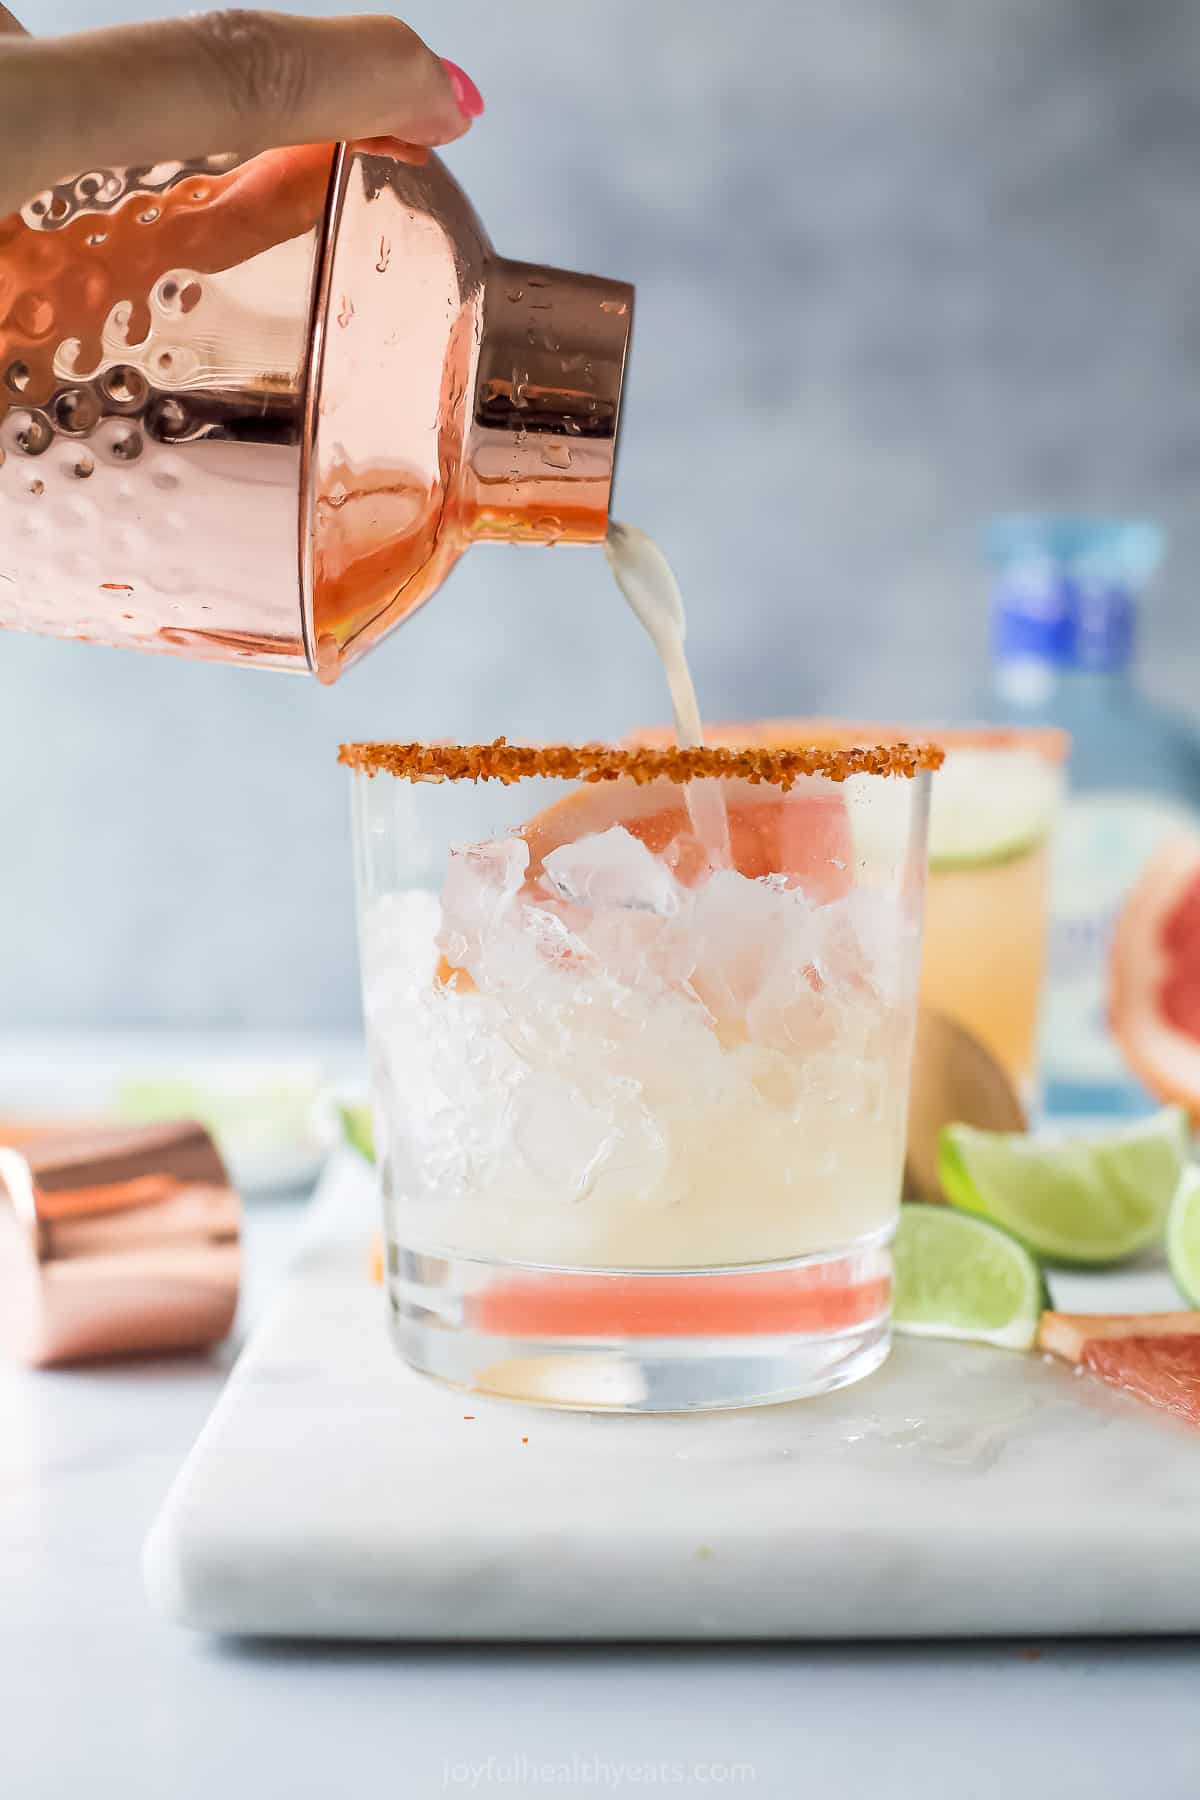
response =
{"points": [[635, 1041]]}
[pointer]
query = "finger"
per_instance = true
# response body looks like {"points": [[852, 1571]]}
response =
{"points": [[242, 81]]}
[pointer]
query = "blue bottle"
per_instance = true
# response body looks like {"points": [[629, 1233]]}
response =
{"points": [[1064, 617]]}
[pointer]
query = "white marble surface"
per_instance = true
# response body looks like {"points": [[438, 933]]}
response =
{"points": [[99, 1696], [959, 1491]]}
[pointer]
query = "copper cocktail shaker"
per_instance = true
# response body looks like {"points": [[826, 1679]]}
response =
{"points": [[253, 409], [115, 1240]]}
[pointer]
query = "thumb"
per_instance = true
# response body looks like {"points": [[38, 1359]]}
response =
{"points": [[242, 81]]}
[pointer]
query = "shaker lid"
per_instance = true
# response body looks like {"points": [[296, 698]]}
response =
{"points": [[115, 1241]]}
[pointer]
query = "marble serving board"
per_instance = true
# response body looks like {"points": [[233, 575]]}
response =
{"points": [[959, 1491]]}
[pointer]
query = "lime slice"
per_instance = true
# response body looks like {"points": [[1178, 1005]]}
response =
{"points": [[990, 805], [1183, 1236], [1092, 1200], [261, 1115], [959, 1277], [358, 1129]]}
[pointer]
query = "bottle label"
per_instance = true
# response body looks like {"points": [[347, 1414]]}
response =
{"points": [[1052, 617], [1103, 843]]}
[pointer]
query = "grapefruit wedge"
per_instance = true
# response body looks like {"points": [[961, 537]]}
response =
{"points": [[1068, 1334], [1154, 975], [1162, 1371], [799, 834], [1153, 1356]]}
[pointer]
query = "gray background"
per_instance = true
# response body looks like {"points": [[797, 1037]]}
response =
{"points": [[899, 265]]}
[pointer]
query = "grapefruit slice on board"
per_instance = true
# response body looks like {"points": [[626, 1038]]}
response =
{"points": [[1162, 1371], [1065, 1334], [1153, 1356], [1154, 975]]}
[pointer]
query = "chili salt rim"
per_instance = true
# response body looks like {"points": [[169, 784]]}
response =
{"points": [[508, 763]]}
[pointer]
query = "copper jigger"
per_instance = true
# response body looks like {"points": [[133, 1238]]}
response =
{"points": [[116, 1242], [254, 409]]}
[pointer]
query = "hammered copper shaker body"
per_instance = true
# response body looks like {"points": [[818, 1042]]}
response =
{"points": [[253, 410]]}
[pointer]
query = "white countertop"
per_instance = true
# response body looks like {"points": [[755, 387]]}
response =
{"points": [[99, 1697]]}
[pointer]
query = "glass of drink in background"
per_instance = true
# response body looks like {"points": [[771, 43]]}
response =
{"points": [[992, 817], [641, 1118]]}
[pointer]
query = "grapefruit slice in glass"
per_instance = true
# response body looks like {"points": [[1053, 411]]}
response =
{"points": [[800, 834]]}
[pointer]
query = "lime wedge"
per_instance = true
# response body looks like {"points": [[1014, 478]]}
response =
{"points": [[1091, 1200], [1183, 1236], [990, 805], [358, 1129], [959, 1277]]}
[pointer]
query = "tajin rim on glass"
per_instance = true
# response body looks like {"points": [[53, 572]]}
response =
{"points": [[640, 763]]}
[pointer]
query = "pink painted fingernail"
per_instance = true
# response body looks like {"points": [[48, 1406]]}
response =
{"points": [[468, 96]]}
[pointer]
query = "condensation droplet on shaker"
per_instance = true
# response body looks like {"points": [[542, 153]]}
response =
{"points": [[123, 443], [125, 386], [34, 433], [37, 487], [168, 419], [77, 411], [17, 376]]}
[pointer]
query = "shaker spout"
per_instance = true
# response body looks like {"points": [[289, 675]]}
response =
{"points": [[542, 437], [456, 397]]}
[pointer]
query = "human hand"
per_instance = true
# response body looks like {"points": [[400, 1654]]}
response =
{"points": [[223, 81]]}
